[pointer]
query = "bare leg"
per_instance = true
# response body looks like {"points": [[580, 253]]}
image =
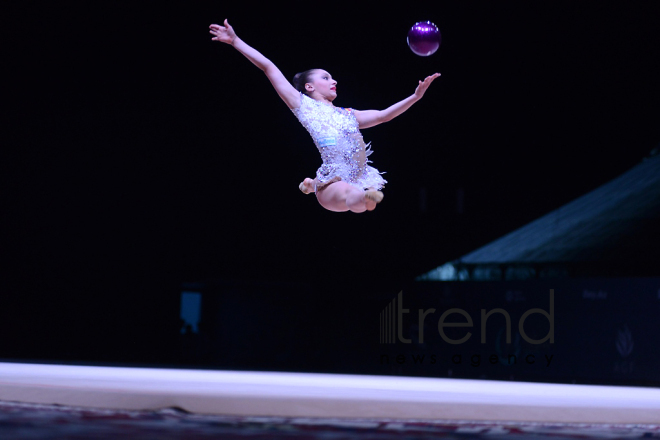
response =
{"points": [[341, 197], [308, 185]]}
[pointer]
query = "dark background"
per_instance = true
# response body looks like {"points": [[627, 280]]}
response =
{"points": [[138, 155]]}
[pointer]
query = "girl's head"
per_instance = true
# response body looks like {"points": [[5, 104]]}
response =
{"points": [[301, 79], [316, 83]]}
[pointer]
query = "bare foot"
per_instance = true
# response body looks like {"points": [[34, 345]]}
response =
{"points": [[307, 186], [376, 196], [372, 198]]}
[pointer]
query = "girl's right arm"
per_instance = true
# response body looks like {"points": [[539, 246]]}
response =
{"points": [[283, 87]]}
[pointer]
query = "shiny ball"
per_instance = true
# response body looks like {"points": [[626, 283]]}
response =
{"points": [[424, 38]]}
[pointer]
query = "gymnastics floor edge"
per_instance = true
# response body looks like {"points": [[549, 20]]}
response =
{"points": [[284, 394]]}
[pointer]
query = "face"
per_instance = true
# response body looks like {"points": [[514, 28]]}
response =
{"points": [[322, 83]]}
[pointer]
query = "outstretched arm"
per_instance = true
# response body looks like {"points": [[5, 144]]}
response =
{"points": [[369, 118], [283, 87]]}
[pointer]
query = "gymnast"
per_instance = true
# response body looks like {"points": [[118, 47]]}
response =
{"points": [[345, 181]]}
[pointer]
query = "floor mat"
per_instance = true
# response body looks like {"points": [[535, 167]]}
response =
{"points": [[21, 421]]}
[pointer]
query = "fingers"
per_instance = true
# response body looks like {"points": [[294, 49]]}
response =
{"points": [[423, 85], [217, 27], [226, 23], [429, 79], [217, 31]]}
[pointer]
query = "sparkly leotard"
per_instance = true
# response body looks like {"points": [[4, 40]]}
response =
{"points": [[337, 136]]}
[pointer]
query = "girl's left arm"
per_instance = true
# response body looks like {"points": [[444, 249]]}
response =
{"points": [[370, 118]]}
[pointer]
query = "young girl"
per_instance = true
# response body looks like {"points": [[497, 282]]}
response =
{"points": [[344, 182]]}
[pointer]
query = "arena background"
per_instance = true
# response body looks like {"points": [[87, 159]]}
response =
{"points": [[141, 161]]}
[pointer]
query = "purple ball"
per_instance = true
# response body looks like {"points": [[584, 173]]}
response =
{"points": [[424, 38]]}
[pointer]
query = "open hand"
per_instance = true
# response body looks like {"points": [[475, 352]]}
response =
{"points": [[224, 33], [423, 85]]}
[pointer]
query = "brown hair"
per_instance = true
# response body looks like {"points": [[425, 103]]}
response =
{"points": [[302, 78]]}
